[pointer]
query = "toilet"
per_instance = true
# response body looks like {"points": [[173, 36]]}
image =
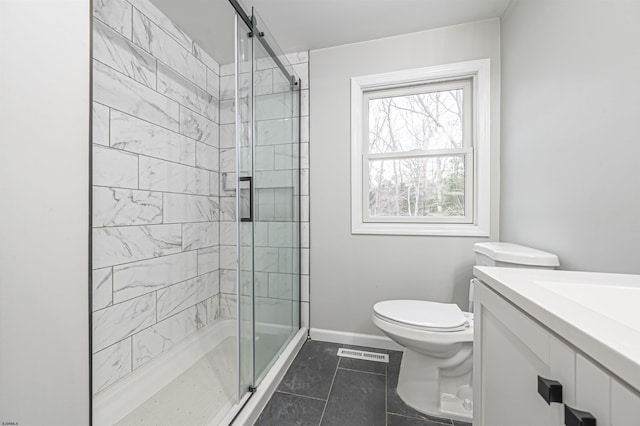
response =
{"points": [[435, 373]]}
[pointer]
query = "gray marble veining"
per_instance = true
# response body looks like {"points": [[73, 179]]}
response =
{"points": [[114, 50], [112, 167], [114, 13], [199, 127], [134, 135], [102, 288], [138, 278], [100, 117], [125, 94], [159, 338], [180, 208], [177, 297], [111, 364], [199, 235], [206, 157], [117, 322], [116, 207], [154, 40], [160, 175], [206, 59], [116, 245], [208, 259], [178, 88], [154, 14]]}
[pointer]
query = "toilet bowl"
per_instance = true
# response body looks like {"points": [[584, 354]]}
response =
{"points": [[435, 373]]}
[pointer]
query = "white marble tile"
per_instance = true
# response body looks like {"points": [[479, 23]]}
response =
{"points": [[263, 82], [179, 208], [178, 297], [304, 208], [213, 308], [115, 207], [131, 134], [304, 129], [214, 183], [228, 160], [138, 278], [302, 69], [266, 259], [286, 156], [160, 175], [102, 288], [275, 311], [304, 288], [304, 155], [100, 120], [114, 50], [265, 204], [205, 58], [304, 261], [186, 93], [228, 233], [260, 234], [213, 84], [227, 87], [111, 364], [154, 40], [275, 179], [228, 306], [116, 245], [199, 127], [199, 235], [304, 182], [228, 209], [208, 259], [114, 168], [281, 234], [298, 57], [274, 106], [288, 261], [304, 314], [125, 94], [160, 19], [264, 157], [281, 285], [206, 157], [227, 112], [155, 340], [228, 257], [117, 322], [284, 204], [228, 136], [114, 13], [280, 82], [228, 281], [227, 69], [304, 234], [276, 132], [304, 103]]}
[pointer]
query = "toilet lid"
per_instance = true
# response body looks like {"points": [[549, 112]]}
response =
{"points": [[421, 313]]}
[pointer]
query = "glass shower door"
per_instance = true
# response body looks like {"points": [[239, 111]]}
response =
{"points": [[276, 226]]}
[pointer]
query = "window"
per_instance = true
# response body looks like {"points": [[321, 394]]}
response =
{"points": [[420, 151]]}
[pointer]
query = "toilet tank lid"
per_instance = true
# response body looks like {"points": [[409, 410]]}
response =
{"points": [[513, 253]]}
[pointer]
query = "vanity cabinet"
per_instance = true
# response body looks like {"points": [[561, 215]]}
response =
{"points": [[515, 357]]}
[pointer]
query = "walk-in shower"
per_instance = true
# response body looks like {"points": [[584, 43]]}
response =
{"points": [[196, 210]]}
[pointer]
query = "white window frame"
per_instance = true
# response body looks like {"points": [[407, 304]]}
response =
{"points": [[478, 221]]}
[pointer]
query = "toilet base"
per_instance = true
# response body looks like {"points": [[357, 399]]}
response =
{"points": [[437, 387]]}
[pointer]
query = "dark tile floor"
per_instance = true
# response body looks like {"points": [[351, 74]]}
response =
{"points": [[321, 388]]}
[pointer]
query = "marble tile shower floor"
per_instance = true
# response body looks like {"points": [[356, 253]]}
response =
{"points": [[198, 396], [321, 388]]}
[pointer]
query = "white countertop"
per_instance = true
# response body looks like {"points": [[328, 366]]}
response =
{"points": [[597, 313]]}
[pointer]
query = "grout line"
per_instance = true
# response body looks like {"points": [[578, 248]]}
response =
{"points": [[302, 396], [423, 419], [361, 371], [329, 394]]}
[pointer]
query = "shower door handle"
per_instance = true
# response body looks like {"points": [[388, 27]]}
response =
{"points": [[250, 180]]}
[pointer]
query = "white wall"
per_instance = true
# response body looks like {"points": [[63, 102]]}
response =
{"points": [[44, 189], [570, 127], [350, 273]]}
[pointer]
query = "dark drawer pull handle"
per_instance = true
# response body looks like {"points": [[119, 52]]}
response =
{"points": [[573, 417], [550, 390]]}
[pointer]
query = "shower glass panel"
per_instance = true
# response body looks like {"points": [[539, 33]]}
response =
{"points": [[276, 118]]}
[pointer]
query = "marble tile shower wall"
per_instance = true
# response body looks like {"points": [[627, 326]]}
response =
{"points": [[276, 239], [156, 187]]}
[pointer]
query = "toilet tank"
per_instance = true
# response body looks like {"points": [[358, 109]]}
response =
{"points": [[513, 256]]}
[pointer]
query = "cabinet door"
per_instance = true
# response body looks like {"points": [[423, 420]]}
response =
{"points": [[625, 405], [562, 366], [512, 358]]}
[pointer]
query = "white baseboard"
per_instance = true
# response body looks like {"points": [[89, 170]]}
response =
{"points": [[357, 339], [265, 390]]}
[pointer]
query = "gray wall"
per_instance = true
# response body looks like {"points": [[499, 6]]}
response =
{"points": [[44, 199], [570, 129], [350, 273]]}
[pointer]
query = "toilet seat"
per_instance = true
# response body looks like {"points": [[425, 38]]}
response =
{"points": [[422, 315]]}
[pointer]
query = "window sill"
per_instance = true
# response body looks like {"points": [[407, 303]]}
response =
{"points": [[430, 229]]}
